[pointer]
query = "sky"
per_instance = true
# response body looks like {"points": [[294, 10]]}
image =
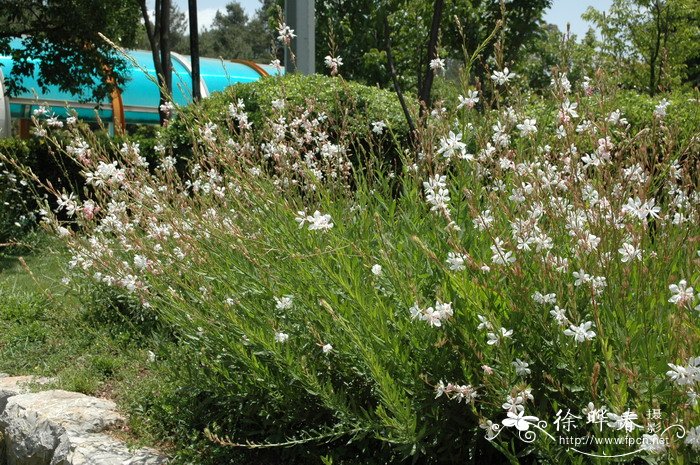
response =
{"points": [[562, 11]]}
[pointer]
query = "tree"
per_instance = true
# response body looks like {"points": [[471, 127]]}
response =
{"points": [[654, 39], [356, 28], [555, 49], [59, 41], [234, 36], [159, 38], [179, 38]]}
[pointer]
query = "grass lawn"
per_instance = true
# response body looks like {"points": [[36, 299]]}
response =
{"points": [[46, 331]]}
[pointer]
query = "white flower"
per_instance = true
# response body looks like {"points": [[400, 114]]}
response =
{"points": [[544, 298], [514, 404], [562, 82], [500, 255], [151, 357], [653, 444], [433, 316], [378, 127], [660, 110], [519, 420], [521, 368], [456, 261], [469, 101], [333, 64], [635, 207], [319, 222], [437, 64], [451, 145], [284, 302], [484, 220], [680, 374], [285, 33], [326, 348], [502, 77], [561, 132], [682, 294], [616, 118], [559, 314], [483, 323], [527, 127], [629, 253], [377, 269], [301, 218], [581, 333], [495, 338], [693, 438], [568, 111], [581, 277], [281, 337], [444, 309], [276, 64], [436, 192], [140, 262]]}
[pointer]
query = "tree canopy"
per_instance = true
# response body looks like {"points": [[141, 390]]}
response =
{"points": [[59, 42]]}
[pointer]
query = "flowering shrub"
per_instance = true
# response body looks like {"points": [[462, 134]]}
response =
{"points": [[356, 114], [525, 269]]}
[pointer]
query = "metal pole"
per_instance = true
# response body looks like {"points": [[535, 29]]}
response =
{"points": [[5, 118], [300, 15], [194, 51]]}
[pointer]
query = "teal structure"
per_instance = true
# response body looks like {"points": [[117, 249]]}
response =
{"points": [[139, 99]]}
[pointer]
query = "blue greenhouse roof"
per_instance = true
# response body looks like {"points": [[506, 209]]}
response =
{"points": [[140, 96]]}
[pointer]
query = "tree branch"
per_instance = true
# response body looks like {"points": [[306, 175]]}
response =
{"points": [[395, 80]]}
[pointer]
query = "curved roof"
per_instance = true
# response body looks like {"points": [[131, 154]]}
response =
{"points": [[139, 97]]}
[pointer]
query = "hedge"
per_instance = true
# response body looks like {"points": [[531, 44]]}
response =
{"points": [[351, 109]]}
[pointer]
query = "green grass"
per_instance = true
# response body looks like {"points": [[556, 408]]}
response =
{"points": [[46, 331]]}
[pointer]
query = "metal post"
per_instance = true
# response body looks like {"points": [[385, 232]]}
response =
{"points": [[300, 15], [5, 119]]}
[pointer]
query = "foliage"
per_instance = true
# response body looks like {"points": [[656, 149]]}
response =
{"points": [[179, 33], [59, 43], [533, 256], [357, 31], [350, 107], [19, 197], [558, 50], [654, 40], [46, 331], [234, 36]]}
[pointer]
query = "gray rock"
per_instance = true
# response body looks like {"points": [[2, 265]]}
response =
{"points": [[65, 428], [100, 449], [11, 386]]}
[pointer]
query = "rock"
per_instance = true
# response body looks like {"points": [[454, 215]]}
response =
{"points": [[11, 386], [100, 449], [65, 428]]}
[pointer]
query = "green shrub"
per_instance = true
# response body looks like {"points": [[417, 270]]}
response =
{"points": [[351, 109], [517, 272], [17, 194]]}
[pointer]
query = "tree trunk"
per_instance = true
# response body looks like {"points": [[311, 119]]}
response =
{"points": [[432, 54], [194, 51], [654, 55], [160, 49], [165, 7]]}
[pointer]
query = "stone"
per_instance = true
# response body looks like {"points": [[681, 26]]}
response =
{"points": [[101, 449], [11, 386], [65, 428]]}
